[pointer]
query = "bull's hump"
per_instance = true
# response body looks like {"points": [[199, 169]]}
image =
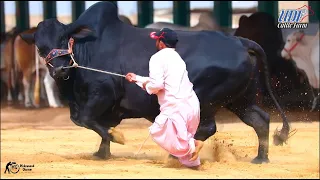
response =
{"points": [[211, 52], [99, 15]]}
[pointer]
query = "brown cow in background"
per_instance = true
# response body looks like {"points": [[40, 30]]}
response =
{"points": [[9, 67], [20, 66], [24, 56], [4, 76]]}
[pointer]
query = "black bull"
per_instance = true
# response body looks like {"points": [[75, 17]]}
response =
{"points": [[219, 66]]}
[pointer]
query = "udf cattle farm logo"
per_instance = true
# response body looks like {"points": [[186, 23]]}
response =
{"points": [[14, 168], [292, 18]]}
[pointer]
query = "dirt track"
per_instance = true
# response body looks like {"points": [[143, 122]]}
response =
{"points": [[59, 149]]}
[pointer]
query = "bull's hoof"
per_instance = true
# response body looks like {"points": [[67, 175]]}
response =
{"points": [[101, 155], [259, 160], [117, 136]]}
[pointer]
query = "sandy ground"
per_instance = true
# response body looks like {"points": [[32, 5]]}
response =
{"points": [[57, 148]]}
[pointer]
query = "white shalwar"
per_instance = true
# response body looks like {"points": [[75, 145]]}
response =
{"points": [[174, 128]]}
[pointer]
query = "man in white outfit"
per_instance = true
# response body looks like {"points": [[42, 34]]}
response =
{"points": [[174, 128]]}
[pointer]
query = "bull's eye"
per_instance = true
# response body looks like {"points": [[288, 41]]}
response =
{"points": [[288, 40]]}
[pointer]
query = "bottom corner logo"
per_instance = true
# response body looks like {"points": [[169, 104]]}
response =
{"points": [[12, 167]]}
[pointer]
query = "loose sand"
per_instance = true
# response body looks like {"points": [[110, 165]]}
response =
{"points": [[57, 148]]}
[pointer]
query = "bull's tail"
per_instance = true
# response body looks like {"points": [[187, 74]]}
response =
{"points": [[281, 136]]}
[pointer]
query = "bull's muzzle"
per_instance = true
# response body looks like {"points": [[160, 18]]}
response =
{"points": [[60, 72]]}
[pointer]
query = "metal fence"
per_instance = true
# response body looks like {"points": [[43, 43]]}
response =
{"points": [[181, 12]]}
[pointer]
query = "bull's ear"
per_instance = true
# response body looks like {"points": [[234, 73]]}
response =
{"points": [[81, 32], [27, 37], [242, 20]]}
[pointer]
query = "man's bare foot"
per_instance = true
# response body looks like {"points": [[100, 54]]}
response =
{"points": [[199, 145]]}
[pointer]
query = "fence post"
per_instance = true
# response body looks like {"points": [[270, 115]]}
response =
{"points": [[222, 11], [77, 8], [49, 9], [270, 7], [181, 13], [2, 19], [145, 13], [22, 15], [314, 5]]}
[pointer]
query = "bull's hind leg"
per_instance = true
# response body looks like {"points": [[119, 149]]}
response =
{"points": [[207, 126], [258, 119]]}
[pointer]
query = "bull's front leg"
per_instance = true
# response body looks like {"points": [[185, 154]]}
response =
{"points": [[104, 149], [96, 114], [81, 116], [107, 135], [90, 118]]}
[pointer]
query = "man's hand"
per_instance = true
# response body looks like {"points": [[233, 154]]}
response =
{"points": [[131, 77]]}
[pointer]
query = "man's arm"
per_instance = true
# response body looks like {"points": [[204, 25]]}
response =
{"points": [[155, 82], [156, 76], [141, 80]]}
